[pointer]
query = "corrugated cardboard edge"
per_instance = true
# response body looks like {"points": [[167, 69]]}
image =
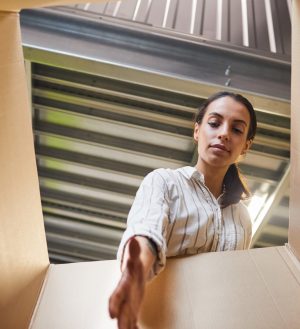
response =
{"points": [[294, 222], [283, 285], [292, 261], [41, 293], [23, 258]]}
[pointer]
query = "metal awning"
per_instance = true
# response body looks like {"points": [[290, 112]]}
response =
{"points": [[112, 101]]}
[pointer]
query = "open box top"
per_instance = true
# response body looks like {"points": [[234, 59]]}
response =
{"points": [[17, 5], [246, 289]]}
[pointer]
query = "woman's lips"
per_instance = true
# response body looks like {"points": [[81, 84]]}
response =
{"points": [[220, 147]]}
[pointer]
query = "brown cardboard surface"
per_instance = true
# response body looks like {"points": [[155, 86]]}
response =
{"points": [[23, 249], [294, 224], [76, 296], [232, 290], [247, 289], [16, 5]]}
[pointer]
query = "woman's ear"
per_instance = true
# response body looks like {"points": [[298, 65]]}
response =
{"points": [[196, 132], [247, 146]]}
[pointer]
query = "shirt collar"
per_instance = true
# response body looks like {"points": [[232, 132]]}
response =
{"points": [[192, 172]]}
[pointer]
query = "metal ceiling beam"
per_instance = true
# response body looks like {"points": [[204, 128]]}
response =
{"points": [[267, 211], [87, 87], [111, 208], [281, 232], [95, 233], [67, 210], [97, 71], [69, 41], [94, 161]]}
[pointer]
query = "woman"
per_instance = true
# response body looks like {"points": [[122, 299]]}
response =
{"points": [[188, 210]]}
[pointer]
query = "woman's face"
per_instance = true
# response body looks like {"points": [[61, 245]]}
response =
{"points": [[222, 135]]}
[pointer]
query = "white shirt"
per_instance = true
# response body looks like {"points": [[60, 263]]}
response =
{"points": [[175, 209]]}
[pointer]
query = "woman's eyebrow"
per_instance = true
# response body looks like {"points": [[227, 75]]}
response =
{"points": [[215, 114], [241, 121], [221, 117]]}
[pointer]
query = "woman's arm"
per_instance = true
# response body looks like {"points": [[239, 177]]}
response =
{"points": [[125, 301]]}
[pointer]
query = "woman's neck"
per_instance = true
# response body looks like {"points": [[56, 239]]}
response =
{"points": [[213, 178]]}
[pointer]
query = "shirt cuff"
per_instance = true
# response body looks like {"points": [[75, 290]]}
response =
{"points": [[159, 242]]}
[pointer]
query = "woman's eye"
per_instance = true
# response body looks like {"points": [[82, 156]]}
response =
{"points": [[214, 124], [238, 131]]}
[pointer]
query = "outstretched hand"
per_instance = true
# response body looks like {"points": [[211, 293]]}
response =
{"points": [[125, 301]]}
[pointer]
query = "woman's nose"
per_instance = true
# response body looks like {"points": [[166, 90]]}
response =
{"points": [[223, 134]]}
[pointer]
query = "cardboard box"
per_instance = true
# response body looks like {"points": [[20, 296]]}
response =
{"points": [[246, 289]]}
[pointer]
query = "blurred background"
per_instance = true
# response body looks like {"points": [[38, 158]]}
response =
{"points": [[114, 87]]}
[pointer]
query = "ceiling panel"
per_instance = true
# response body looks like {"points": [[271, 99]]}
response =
{"points": [[103, 119]]}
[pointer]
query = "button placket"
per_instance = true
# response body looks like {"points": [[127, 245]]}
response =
{"points": [[213, 203], [218, 223]]}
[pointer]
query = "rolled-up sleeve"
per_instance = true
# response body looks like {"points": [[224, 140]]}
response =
{"points": [[148, 216]]}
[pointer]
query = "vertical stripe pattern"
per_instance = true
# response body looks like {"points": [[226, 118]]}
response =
{"points": [[175, 209]]}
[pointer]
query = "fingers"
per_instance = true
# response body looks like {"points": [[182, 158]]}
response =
{"points": [[127, 319], [123, 290], [116, 300]]}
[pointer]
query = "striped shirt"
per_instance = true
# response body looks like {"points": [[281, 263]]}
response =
{"points": [[175, 209]]}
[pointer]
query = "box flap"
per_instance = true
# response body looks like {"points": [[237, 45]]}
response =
{"points": [[76, 296], [23, 256], [230, 290], [243, 289], [294, 224], [17, 5]]}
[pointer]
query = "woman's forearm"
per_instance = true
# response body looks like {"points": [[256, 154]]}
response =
{"points": [[148, 255]]}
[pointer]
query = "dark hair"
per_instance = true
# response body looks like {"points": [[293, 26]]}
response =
{"points": [[234, 185]]}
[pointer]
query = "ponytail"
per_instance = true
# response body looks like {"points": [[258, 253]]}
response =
{"points": [[235, 189]]}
